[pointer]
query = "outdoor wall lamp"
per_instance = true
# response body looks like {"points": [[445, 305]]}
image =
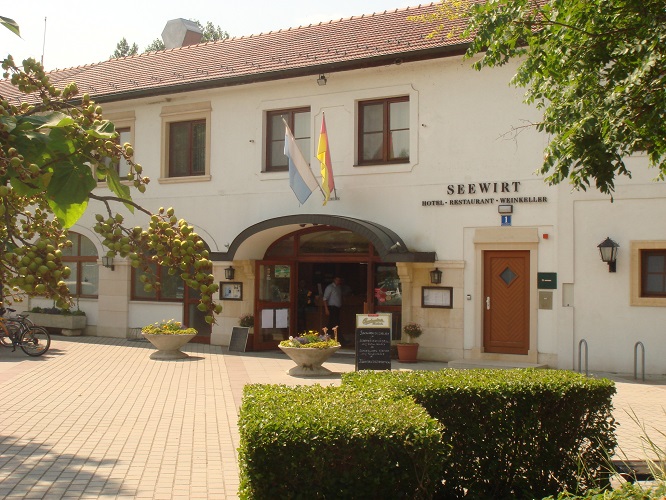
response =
{"points": [[229, 273], [321, 81], [108, 262], [436, 276], [608, 250]]}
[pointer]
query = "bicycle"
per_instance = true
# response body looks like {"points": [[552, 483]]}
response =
{"points": [[19, 331]]}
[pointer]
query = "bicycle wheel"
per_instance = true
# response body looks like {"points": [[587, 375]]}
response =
{"points": [[5, 339], [35, 341]]}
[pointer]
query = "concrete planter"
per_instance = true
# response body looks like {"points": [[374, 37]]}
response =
{"points": [[309, 360], [68, 324], [168, 346]]}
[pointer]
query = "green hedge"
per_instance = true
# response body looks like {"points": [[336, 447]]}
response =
{"points": [[514, 433], [335, 442]]}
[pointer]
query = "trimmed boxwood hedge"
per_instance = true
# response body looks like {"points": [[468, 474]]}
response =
{"points": [[514, 433], [336, 442]]}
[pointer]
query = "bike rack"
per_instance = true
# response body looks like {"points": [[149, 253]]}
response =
{"points": [[580, 353], [639, 343]]}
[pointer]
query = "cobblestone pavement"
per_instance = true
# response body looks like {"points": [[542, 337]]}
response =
{"points": [[96, 418]]}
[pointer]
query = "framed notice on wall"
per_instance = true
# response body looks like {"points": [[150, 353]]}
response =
{"points": [[437, 296], [232, 290]]}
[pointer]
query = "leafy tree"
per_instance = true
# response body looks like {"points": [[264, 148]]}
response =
{"points": [[211, 33], [595, 68], [155, 45], [54, 147], [123, 49]]}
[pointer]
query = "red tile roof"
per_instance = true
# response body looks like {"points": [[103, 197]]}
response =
{"points": [[360, 41]]}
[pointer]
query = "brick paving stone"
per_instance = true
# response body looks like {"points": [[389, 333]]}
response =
{"points": [[96, 417]]}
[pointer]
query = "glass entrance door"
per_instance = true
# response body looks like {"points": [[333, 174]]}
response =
{"points": [[273, 314]]}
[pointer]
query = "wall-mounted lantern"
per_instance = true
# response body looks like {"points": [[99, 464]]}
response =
{"points": [[229, 273], [436, 276], [108, 262], [608, 250]]}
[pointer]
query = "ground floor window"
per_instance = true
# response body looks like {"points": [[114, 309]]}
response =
{"points": [[653, 273], [171, 288], [648, 273], [81, 258]]}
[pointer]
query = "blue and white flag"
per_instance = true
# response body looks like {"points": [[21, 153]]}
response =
{"points": [[301, 179]]}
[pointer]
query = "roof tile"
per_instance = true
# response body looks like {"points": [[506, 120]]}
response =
{"points": [[314, 48]]}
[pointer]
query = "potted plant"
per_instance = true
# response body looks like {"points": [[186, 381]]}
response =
{"points": [[309, 350], [408, 351], [70, 323], [247, 320], [168, 337]]}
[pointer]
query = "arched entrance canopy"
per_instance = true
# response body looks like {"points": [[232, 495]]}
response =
{"points": [[389, 246]]}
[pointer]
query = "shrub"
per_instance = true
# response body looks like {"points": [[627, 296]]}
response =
{"points": [[333, 442], [513, 433], [56, 310]]}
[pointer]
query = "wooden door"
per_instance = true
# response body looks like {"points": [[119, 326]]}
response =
{"points": [[506, 320]]}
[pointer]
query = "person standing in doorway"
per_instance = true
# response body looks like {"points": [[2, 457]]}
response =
{"points": [[333, 303]]}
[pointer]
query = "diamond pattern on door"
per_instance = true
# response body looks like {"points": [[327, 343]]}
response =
{"points": [[508, 276]]}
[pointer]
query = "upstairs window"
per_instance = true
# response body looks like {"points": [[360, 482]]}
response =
{"points": [[124, 124], [187, 148], [298, 120], [383, 131], [186, 142], [122, 167]]}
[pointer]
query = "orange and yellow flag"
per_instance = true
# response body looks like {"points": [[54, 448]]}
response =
{"points": [[324, 157]]}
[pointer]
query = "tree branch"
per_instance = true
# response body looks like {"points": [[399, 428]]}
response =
{"points": [[107, 199]]}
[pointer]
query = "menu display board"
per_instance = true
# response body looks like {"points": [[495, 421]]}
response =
{"points": [[373, 342]]}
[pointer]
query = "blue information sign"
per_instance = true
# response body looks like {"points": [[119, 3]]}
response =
{"points": [[506, 220]]}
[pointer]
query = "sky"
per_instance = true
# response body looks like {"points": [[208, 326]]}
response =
{"points": [[85, 32]]}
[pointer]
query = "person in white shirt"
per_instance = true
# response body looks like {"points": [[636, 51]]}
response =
{"points": [[333, 302]]}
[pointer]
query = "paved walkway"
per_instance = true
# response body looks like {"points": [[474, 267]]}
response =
{"points": [[96, 418]]}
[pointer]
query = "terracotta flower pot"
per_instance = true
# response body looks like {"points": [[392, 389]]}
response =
{"points": [[407, 353], [309, 360], [168, 346]]}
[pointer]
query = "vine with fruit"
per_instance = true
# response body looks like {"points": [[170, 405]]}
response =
{"points": [[54, 148]]}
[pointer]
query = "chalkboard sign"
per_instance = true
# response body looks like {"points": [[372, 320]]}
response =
{"points": [[373, 342], [238, 341]]}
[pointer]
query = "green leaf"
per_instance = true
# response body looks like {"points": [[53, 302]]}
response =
{"points": [[104, 131], [118, 188], [68, 191], [11, 25]]}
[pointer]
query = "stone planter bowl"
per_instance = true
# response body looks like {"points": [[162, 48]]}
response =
{"points": [[309, 360], [168, 346]]}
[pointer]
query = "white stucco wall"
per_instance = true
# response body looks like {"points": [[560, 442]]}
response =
{"points": [[463, 131]]}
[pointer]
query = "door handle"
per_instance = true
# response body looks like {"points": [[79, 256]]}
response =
{"points": [[488, 303]]}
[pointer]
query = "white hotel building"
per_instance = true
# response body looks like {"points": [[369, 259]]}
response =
{"points": [[428, 176]]}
